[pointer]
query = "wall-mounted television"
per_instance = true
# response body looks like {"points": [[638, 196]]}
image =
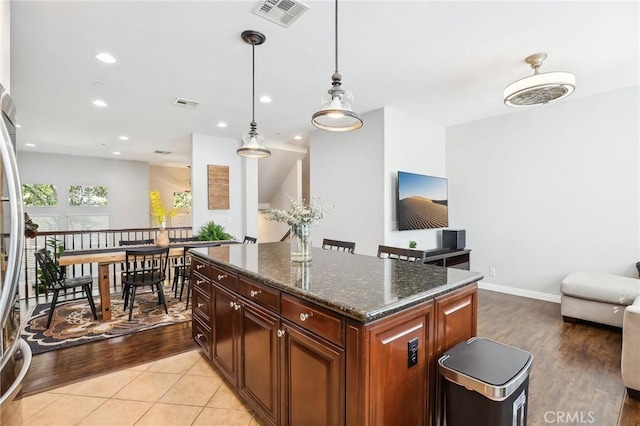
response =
{"points": [[422, 202]]}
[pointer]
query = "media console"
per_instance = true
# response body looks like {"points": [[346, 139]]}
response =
{"points": [[460, 259]]}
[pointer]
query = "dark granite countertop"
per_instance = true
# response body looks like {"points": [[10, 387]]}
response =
{"points": [[364, 288]]}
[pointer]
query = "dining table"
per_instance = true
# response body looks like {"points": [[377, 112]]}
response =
{"points": [[106, 256]]}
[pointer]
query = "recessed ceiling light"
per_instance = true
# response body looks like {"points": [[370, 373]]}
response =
{"points": [[297, 137], [106, 58], [123, 138], [18, 126], [97, 84], [221, 124], [99, 103], [116, 152], [265, 99], [29, 144]]}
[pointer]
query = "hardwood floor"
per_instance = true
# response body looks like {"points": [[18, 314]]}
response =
{"points": [[576, 369], [69, 365]]}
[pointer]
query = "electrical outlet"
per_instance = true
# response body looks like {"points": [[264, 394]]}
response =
{"points": [[492, 272], [412, 352]]}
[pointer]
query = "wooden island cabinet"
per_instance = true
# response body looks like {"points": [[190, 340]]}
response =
{"points": [[344, 340]]}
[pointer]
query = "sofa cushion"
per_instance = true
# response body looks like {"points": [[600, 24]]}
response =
{"points": [[601, 287]]}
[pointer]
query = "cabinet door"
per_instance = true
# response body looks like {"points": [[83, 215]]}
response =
{"points": [[399, 373], [456, 318], [258, 375], [312, 380], [224, 332]]}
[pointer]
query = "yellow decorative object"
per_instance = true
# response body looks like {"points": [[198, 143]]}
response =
{"points": [[160, 214]]}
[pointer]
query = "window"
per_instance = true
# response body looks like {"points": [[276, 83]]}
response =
{"points": [[88, 222], [87, 195], [39, 195], [182, 200]]}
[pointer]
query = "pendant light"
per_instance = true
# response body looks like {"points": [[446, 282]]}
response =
{"points": [[252, 141], [540, 88], [336, 114]]}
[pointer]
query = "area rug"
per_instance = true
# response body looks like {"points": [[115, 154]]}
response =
{"points": [[73, 322]]}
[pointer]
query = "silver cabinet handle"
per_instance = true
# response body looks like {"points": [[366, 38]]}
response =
{"points": [[280, 333], [221, 277], [254, 293], [200, 305], [231, 304], [304, 317], [198, 282], [199, 266], [236, 306], [199, 336]]}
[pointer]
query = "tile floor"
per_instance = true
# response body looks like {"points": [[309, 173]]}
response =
{"points": [[180, 390]]}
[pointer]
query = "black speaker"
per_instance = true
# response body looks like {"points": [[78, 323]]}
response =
{"points": [[453, 239]]}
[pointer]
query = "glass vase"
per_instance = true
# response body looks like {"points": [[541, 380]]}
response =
{"points": [[301, 243]]}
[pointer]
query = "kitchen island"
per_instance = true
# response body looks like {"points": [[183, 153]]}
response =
{"points": [[344, 339]]}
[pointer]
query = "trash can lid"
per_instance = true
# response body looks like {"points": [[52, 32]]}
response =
{"points": [[491, 368]]}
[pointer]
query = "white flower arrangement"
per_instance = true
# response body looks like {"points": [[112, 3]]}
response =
{"points": [[299, 213]]}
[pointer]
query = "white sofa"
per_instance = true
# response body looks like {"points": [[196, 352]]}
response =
{"points": [[631, 349], [597, 297]]}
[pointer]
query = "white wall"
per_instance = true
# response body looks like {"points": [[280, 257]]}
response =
{"points": [[411, 145], [168, 180], [5, 50], [207, 150], [268, 230], [550, 190], [127, 183], [346, 171]]}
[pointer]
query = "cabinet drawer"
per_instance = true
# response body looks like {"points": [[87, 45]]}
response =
{"points": [[313, 318], [224, 278], [202, 335], [259, 293], [201, 283], [200, 267], [201, 305]]}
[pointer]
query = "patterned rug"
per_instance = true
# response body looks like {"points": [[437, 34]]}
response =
{"points": [[73, 322]]}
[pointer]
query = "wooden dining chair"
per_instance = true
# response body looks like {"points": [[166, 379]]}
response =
{"points": [[55, 282], [346, 246], [144, 267], [180, 265], [136, 242], [398, 253]]}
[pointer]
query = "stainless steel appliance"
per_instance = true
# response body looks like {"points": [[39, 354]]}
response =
{"points": [[15, 355]]}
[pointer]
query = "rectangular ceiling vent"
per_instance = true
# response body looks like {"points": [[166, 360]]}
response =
{"points": [[186, 103], [162, 152], [282, 12]]}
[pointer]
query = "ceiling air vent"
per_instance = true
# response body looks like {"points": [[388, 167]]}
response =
{"points": [[186, 103], [162, 152], [282, 12]]}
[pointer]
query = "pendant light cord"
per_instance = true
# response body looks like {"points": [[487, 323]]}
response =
{"points": [[253, 80], [336, 36]]}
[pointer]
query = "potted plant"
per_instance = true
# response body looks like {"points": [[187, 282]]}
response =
{"points": [[212, 231]]}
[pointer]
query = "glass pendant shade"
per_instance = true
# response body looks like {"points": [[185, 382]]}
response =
{"points": [[336, 114], [252, 146], [539, 88]]}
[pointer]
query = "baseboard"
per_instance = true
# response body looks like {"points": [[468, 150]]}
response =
{"points": [[555, 298]]}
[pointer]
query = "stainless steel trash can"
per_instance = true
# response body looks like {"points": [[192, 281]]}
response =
{"points": [[486, 383]]}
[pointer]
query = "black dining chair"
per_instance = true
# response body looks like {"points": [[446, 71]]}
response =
{"points": [[55, 282], [249, 240], [180, 265], [144, 267], [398, 253], [346, 246]]}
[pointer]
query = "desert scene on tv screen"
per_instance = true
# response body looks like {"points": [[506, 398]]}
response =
{"points": [[422, 202]]}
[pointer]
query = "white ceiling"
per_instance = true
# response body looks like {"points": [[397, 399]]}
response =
{"points": [[446, 62]]}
